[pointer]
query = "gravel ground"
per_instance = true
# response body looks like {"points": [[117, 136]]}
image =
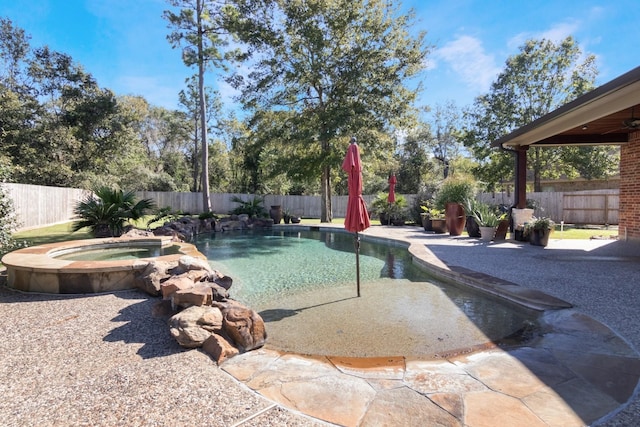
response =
{"points": [[107, 360]]}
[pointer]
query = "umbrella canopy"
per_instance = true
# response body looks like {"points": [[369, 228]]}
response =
{"points": [[392, 189], [357, 218]]}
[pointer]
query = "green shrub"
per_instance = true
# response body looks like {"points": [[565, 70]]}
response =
{"points": [[396, 210], [454, 190], [8, 224], [485, 214], [107, 211]]}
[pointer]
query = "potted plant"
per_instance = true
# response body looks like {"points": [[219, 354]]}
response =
{"points": [[433, 219], [286, 216], [451, 196], [471, 223], [390, 213], [487, 219], [538, 230]]}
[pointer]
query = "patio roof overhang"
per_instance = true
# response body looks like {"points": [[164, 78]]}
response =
{"points": [[596, 118]]}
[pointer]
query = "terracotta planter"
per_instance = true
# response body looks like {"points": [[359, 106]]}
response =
{"points": [[439, 225], [276, 213], [501, 231], [454, 214]]}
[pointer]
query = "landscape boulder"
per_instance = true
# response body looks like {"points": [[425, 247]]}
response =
{"points": [[198, 295], [219, 348], [153, 275], [244, 326], [193, 325]]}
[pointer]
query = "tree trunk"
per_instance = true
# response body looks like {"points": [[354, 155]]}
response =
{"points": [[195, 159], [537, 185], [206, 203], [326, 214]]}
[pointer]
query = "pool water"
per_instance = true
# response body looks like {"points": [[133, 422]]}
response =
{"points": [[304, 286], [120, 253]]}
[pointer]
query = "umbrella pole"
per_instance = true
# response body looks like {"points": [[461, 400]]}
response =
{"points": [[357, 244]]}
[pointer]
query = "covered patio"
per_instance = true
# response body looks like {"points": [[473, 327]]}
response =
{"points": [[608, 115]]}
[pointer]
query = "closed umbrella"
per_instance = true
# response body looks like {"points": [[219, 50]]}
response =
{"points": [[357, 218], [392, 193], [392, 189]]}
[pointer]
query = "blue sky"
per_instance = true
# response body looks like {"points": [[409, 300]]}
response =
{"points": [[123, 42]]}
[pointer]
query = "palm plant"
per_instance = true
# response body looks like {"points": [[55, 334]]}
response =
{"points": [[107, 211], [252, 207]]}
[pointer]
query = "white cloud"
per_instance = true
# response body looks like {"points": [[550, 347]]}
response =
{"points": [[467, 58], [555, 33]]}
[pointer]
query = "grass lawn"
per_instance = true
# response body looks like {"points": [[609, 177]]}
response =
{"points": [[62, 232], [51, 234]]}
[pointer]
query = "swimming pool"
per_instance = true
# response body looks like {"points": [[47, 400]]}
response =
{"points": [[303, 284]]}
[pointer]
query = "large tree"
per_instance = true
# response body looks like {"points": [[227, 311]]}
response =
{"points": [[216, 124], [334, 68], [541, 77], [14, 48], [415, 164], [445, 124], [199, 30]]}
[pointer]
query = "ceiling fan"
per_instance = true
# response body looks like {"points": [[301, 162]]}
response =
{"points": [[632, 122]]}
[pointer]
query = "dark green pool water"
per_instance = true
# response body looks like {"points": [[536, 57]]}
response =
{"points": [[304, 286]]}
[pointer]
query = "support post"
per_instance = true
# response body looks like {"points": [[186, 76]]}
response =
{"points": [[521, 177]]}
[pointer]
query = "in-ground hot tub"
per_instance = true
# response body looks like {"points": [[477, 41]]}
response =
{"points": [[44, 268]]}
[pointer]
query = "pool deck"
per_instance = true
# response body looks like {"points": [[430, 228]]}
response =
{"points": [[583, 369]]}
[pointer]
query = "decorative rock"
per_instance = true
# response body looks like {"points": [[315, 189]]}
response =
{"points": [[219, 348], [244, 326], [196, 295], [261, 223], [219, 279], [232, 225], [174, 284], [220, 294], [165, 230], [136, 232], [192, 326], [195, 275], [150, 279], [187, 263]]}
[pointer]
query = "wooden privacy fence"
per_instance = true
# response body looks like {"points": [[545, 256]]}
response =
{"points": [[38, 206], [222, 203], [592, 208], [577, 207]]}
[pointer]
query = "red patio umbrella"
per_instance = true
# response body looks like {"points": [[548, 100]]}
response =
{"points": [[392, 189], [357, 218]]}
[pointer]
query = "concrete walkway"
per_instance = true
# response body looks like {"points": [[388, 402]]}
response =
{"points": [[577, 371]]}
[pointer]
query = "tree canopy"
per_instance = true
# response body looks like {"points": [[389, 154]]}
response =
{"points": [[322, 71], [540, 78], [310, 75]]}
